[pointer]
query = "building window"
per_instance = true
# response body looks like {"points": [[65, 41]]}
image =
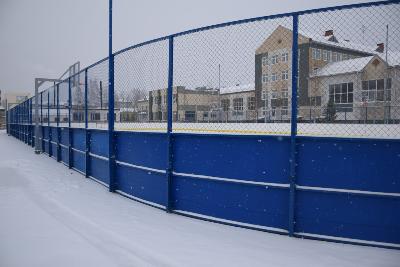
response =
{"points": [[339, 57], [284, 111], [225, 103], [341, 93], [251, 103], [274, 59], [325, 55], [265, 60], [274, 77], [285, 75], [265, 78], [315, 71], [374, 90], [274, 95], [328, 56], [285, 57], [388, 89], [334, 56], [345, 57], [285, 93], [94, 116], [316, 54], [264, 95], [190, 116], [238, 106]]}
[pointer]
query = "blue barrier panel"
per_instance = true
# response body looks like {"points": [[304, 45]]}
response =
{"points": [[261, 207], [98, 169], [78, 159], [78, 148], [64, 155], [362, 217], [46, 138], [146, 185], [143, 149], [54, 141], [64, 136], [233, 178], [358, 164], [64, 141], [99, 142], [249, 158], [78, 139], [137, 154]]}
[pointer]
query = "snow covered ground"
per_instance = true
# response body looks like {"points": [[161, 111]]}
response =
{"points": [[52, 216]]}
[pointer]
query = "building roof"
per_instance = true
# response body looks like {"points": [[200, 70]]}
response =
{"points": [[345, 66], [333, 41], [239, 88]]}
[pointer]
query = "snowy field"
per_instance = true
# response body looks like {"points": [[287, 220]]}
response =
{"points": [[391, 131], [52, 216]]}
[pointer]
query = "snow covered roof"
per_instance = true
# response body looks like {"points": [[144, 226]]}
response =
{"points": [[345, 66], [237, 88], [332, 40]]}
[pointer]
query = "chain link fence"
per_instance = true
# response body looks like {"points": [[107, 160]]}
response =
{"points": [[349, 72], [236, 78]]}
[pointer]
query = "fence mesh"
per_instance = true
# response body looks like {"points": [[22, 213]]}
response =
{"points": [[348, 79], [77, 83], [141, 81], [237, 79], [97, 79], [52, 106], [63, 105], [234, 79]]}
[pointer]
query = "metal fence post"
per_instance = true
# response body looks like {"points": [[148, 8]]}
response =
{"points": [[30, 122], [169, 124], [87, 135], [69, 125], [111, 148], [48, 123], [58, 123], [293, 126], [25, 122], [41, 123]]}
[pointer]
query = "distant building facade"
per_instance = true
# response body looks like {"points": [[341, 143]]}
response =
{"points": [[362, 89], [273, 69], [9, 99]]}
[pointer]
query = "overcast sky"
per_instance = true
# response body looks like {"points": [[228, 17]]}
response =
{"points": [[42, 38]]}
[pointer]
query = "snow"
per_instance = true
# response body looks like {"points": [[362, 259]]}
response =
{"points": [[382, 131], [345, 66], [52, 216], [238, 88], [340, 130]]}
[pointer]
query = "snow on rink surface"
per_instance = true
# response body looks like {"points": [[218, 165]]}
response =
{"points": [[384, 131], [52, 216]]}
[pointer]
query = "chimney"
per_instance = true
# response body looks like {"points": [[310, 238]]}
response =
{"points": [[328, 33], [380, 47]]}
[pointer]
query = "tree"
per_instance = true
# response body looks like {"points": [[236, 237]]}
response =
{"points": [[330, 111]]}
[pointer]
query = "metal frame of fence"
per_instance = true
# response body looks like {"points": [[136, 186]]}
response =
{"points": [[79, 148]]}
